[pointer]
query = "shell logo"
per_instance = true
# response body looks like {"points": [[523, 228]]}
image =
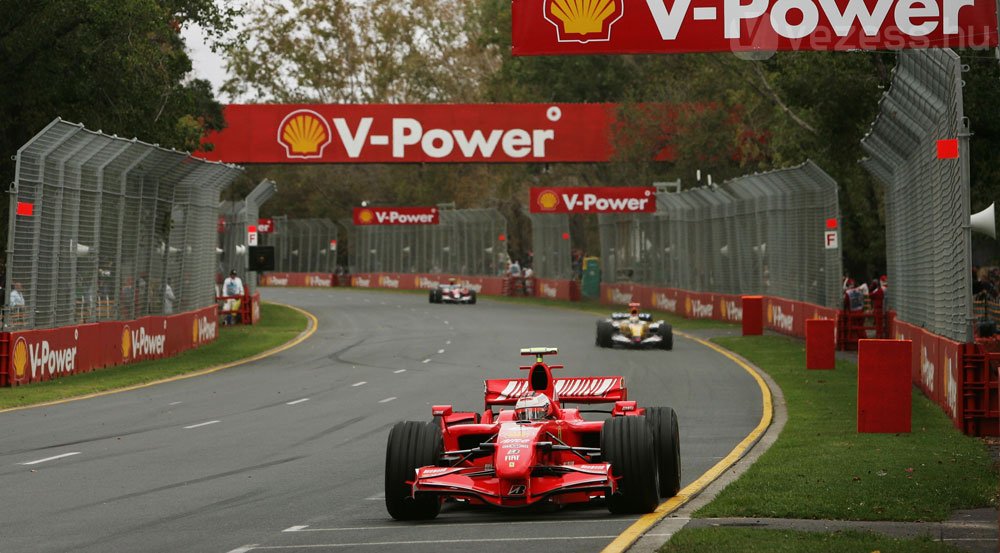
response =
{"points": [[304, 134], [724, 309], [365, 216], [19, 358], [548, 200], [126, 342], [583, 21], [770, 314], [687, 306], [194, 332]]}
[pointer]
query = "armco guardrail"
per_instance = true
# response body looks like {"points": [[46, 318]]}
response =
{"points": [[44, 354], [305, 280]]}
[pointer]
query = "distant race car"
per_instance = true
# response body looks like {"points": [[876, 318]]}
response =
{"points": [[452, 293], [540, 451], [634, 329]]}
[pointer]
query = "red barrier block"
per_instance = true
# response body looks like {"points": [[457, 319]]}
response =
{"points": [[821, 344], [753, 315], [884, 396]]}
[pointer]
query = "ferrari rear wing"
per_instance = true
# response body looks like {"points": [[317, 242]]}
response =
{"points": [[589, 389]]}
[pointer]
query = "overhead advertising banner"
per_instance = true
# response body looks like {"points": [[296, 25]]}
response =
{"points": [[410, 133], [547, 27], [365, 216], [582, 199]]}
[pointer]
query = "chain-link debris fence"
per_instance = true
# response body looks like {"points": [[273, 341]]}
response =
{"points": [[234, 220], [100, 227], [465, 242], [303, 245], [927, 199], [550, 246], [758, 234]]}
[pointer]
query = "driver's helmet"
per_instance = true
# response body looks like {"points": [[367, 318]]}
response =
{"points": [[451, 282], [532, 406], [633, 309]]}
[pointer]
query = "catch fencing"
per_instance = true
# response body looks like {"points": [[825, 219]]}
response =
{"points": [[100, 226], [234, 218], [550, 245], [465, 242], [758, 234], [927, 199], [303, 245]]}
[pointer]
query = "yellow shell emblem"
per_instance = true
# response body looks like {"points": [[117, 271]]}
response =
{"points": [[19, 358], [126, 342], [366, 216], [304, 134], [687, 306], [582, 17], [723, 308], [770, 314], [194, 332], [548, 200]]}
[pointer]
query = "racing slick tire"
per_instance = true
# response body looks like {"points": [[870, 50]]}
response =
{"points": [[411, 445], [667, 333], [668, 448], [472, 297], [627, 443], [432, 296], [604, 333]]}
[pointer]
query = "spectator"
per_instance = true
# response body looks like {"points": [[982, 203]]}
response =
{"points": [[232, 290], [515, 269], [528, 272], [16, 296], [168, 298]]}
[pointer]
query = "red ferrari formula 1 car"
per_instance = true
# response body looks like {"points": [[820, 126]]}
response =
{"points": [[539, 451]]}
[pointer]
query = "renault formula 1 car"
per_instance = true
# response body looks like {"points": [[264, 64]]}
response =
{"points": [[452, 293], [634, 329], [539, 451]]}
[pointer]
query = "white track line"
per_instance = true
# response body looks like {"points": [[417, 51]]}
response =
{"points": [[51, 458], [245, 548], [448, 343], [200, 424], [298, 401], [356, 384], [176, 403], [426, 361], [387, 400], [295, 529], [440, 351], [430, 542], [399, 371]]}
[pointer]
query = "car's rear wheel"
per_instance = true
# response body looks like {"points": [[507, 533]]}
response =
{"points": [[411, 445], [666, 436], [604, 333], [432, 296], [667, 333], [627, 443], [472, 297]]}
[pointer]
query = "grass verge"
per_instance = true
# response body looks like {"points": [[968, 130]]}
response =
{"points": [[279, 324], [748, 540], [821, 468]]}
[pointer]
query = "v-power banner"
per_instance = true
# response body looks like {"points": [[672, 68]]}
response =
{"points": [[552, 27]]}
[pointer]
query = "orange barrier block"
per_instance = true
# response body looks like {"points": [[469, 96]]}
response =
{"points": [[884, 396], [821, 344], [753, 315]]}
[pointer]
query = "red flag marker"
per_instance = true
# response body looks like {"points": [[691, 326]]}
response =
{"points": [[947, 149], [25, 208]]}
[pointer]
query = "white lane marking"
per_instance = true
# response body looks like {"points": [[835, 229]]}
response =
{"points": [[356, 384], [399, 371], [426, 361], [295, 528], [446, 322], [387, 400], [376, 497], [176, 403], [200, 424], [298, 401], [448, 343], [440, 351], [51, 458], [431, 542], [244, 549], [462, 524]]}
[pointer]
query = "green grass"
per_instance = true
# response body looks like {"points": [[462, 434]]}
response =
{"points": [[749, 540], [821, 468], [278, 325]]}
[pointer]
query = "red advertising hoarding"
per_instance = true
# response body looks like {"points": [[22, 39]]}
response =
{"points": [[414, 133], [547, 27], [265, 226], [364, 216], [581, 199]]}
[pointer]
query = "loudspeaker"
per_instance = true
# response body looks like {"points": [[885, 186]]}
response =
{"points": [[261, 258], [984, 222]]}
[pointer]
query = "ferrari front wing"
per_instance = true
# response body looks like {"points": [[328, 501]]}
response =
{"points": [[567, 483]]}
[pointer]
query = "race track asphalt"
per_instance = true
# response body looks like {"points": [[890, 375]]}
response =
{"points": [[287, 453]]}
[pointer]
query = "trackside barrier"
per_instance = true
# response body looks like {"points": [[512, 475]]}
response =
{"points": [[246, 312], [490, 286], [45, 354], [821, 344], [753, 315], [884, 397], [302, 280]]}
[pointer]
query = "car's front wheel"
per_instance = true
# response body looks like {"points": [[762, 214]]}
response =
{"points": [[411, 445], [627, 443]]}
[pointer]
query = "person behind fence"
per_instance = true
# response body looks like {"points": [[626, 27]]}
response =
{"points": [[515, 269], [168, 298], [232, 290], [17, 296]]}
